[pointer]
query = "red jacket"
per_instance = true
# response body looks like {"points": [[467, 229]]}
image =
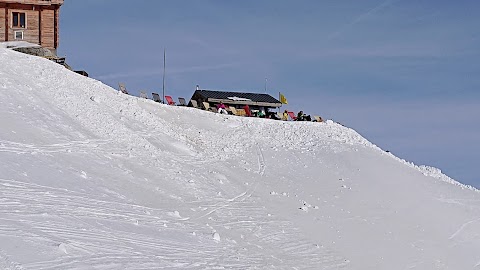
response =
{"points": [[247, 110]]}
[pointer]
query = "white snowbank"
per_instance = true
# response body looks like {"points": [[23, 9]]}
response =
{"points": [[18, 44], [91, 178]]}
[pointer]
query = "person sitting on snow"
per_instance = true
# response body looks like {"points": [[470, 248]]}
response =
{"points": [[247, 110], [221, 108], [285, 116], [273, 115], [300, 116], [261, 114]]}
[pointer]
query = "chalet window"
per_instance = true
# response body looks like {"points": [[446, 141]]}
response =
{"points": [[19, 19], [18, 35]]}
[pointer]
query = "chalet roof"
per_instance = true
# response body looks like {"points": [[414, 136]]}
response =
{"points": [[34, 2], [236, 96]]}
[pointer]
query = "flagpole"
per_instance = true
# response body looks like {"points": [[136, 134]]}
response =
{"points": [[163, 88], [279, 98], [265, 85]]}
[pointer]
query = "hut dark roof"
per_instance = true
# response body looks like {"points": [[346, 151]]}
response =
{"points": [[254, 97]]}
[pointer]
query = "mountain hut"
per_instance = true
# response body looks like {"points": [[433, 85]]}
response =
{"points": [[34, 21], [236, 99]]}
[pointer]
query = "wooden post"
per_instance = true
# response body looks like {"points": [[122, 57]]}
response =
{"points": [[6, 22], [39, 25], [55, 30]]}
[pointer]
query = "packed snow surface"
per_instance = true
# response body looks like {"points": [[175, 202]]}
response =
{"points": [[18, 44], [91, 178]]}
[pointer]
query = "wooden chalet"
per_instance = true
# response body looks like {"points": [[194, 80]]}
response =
{"points": [[34, 21], [236, 99]]}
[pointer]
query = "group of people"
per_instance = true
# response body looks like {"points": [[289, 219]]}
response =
{"points": [[222, 109], [300, 116], [303, 117]]}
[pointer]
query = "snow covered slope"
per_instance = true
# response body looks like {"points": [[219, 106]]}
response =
{"points": [[94, 179]]}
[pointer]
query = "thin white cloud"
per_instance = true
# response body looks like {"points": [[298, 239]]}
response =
{"points": [[360, 18], [154, 72]]}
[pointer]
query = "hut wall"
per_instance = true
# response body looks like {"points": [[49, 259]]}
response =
{"points": [[48, 29], [3, 26]]}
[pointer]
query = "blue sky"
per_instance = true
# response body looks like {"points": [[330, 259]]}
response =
{"points": [[404, 74]]}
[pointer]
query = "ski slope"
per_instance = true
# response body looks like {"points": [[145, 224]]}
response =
{"points": [[91, 178]]}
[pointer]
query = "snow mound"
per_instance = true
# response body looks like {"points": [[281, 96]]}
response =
{"points": [[91, 178]]}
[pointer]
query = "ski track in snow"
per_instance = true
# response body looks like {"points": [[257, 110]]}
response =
{"points": [[249, 192], [272, 233], [72, 146], [24, 206], [466, 224], [230, 214], [73, 221]]}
